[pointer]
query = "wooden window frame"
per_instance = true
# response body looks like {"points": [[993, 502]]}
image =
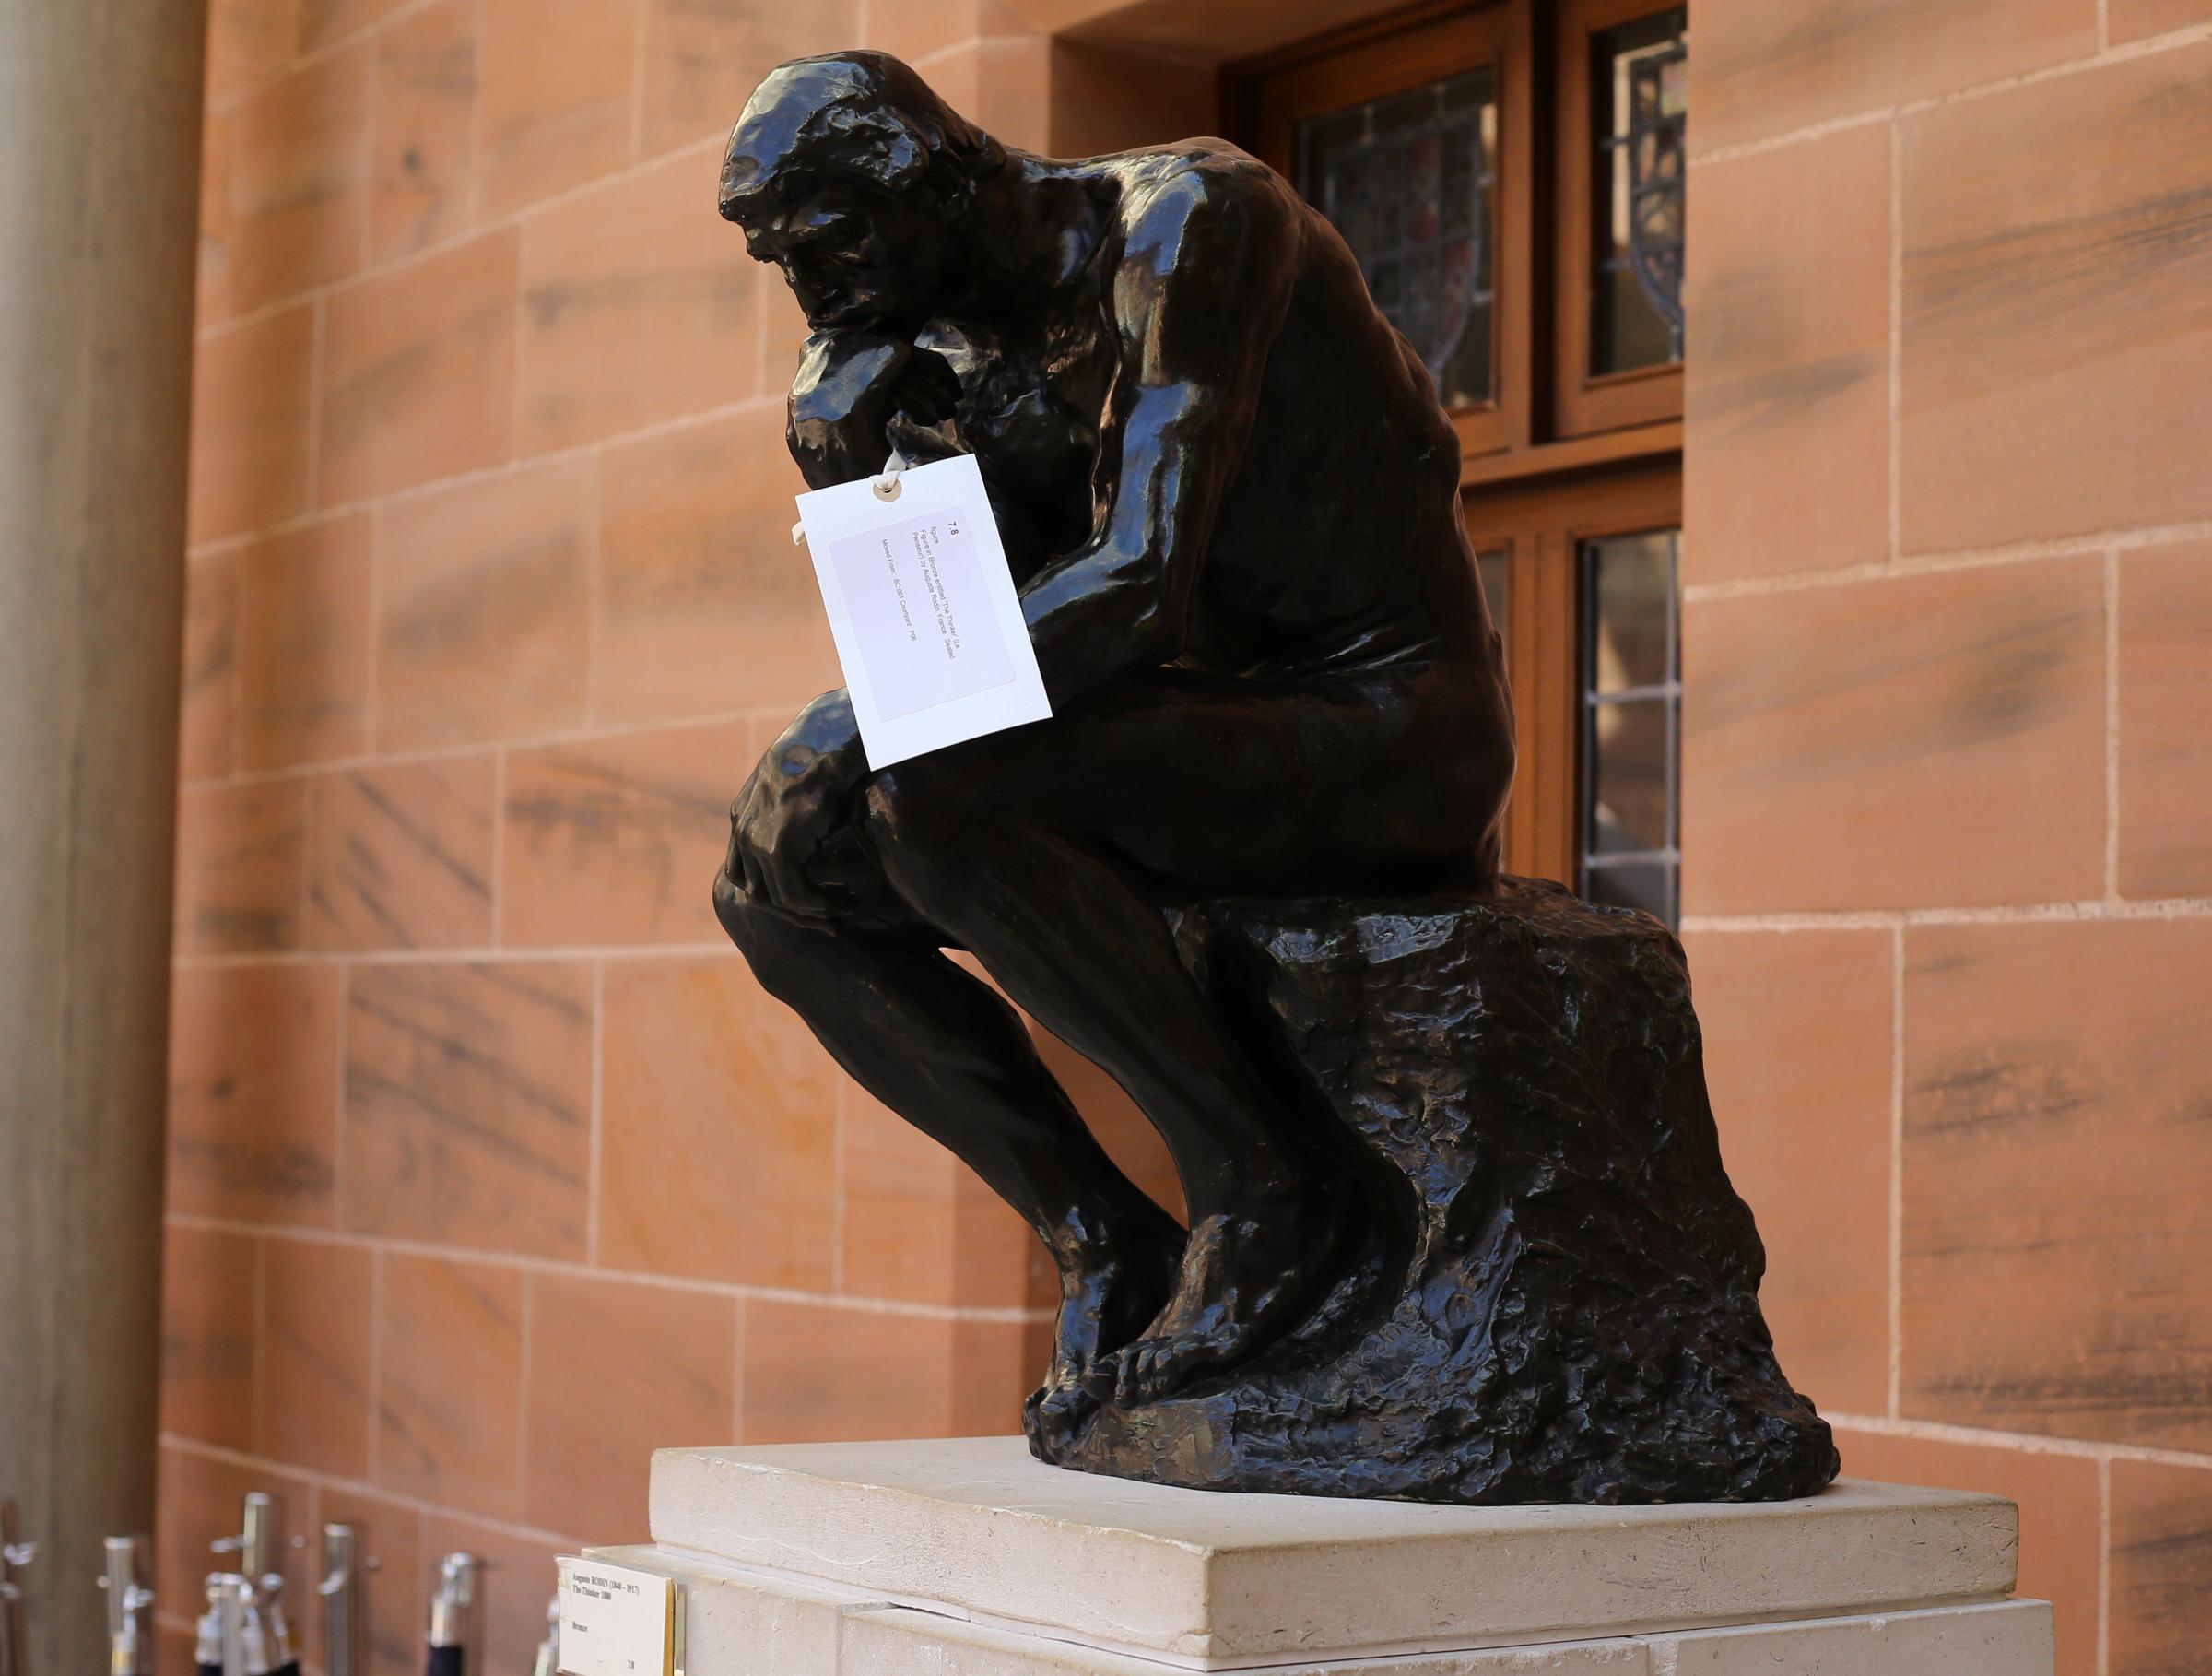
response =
{"points": [[1560, 457], [1550, 413], [1583, 403], [1404, 58], [1541, 526]]}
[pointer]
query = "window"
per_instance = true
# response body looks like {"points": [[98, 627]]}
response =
{"points": [[1416, 143], [1642, 70], [1406, 179], [1631, 704], [1583, 579], [1510, 177], [1621, 122]]}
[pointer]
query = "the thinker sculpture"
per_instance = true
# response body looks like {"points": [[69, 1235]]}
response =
{"points": [[1458, 1228]]}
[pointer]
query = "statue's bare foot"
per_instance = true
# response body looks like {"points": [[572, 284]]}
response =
{"points": [[1110, 1291], [1053, 1415], [1248, 1276]]}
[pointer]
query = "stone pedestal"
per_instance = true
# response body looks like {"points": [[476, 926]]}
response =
{"points": [[970, 1557]]}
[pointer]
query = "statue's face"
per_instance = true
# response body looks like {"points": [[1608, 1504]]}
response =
{"points": [[853, 254]]}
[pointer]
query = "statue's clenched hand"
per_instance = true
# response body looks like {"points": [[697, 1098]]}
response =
{"points": [[854, 388], [798, 796]]}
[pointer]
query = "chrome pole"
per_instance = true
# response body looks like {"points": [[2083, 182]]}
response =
{"points": [[14, 1554], [259, 1547], [229, 1631], [130, 1607], [207, 1649], [455, 1623], [548, 1650], [257, 1541], [341, 1592]]}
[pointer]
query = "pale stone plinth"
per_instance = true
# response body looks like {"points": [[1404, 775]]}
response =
{"points": [[967, 1556]]}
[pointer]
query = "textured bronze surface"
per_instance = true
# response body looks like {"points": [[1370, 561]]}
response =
{"points": [[1557, 1296], [1231, 501]]}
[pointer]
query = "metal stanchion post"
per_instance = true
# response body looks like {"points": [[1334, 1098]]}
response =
{"points": [[130, 1607], [259, 1547], [548, 1650], [456, 1624], [14, 1554], [232, 1640], [341, 1592]]}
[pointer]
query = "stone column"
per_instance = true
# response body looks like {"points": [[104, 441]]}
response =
{"points": [[99, 149]]}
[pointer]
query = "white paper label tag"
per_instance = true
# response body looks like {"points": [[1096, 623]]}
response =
{"points": [[924, 610], [616, 1620]]}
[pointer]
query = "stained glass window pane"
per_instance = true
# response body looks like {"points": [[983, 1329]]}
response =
{"points": [[1407, 181], [1631, 722], [1639, 81]]}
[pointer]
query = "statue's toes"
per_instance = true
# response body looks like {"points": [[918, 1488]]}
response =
{"points": [[1147, 1371], [1055, 1414], [1101, 1379], [1154, 1369]]}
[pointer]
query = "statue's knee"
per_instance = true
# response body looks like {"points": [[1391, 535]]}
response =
{"points": [[750, 923], [739, 915], [730, 901], [767, 936]]}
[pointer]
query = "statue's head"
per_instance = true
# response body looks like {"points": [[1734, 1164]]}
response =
{"points": [[850, 174]]}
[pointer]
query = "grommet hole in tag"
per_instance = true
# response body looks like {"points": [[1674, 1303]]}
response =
{"points": [[885, 483]]}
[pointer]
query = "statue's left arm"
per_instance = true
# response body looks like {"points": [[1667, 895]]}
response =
{"points": [[1198, 295]]}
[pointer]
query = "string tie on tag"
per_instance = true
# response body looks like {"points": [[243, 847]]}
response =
{"points": [[885, 483]]}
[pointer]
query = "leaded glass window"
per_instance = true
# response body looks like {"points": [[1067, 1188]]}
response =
{"points": [[1509, 176], [1408, 181], [1640, 84], [1631, 722]]}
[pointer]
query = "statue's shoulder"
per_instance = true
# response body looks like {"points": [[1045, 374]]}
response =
{"points": [[1167, 192], [1204, 169]]}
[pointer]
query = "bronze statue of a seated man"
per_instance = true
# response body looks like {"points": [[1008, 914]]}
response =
{"points": [[1232, 504]]}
